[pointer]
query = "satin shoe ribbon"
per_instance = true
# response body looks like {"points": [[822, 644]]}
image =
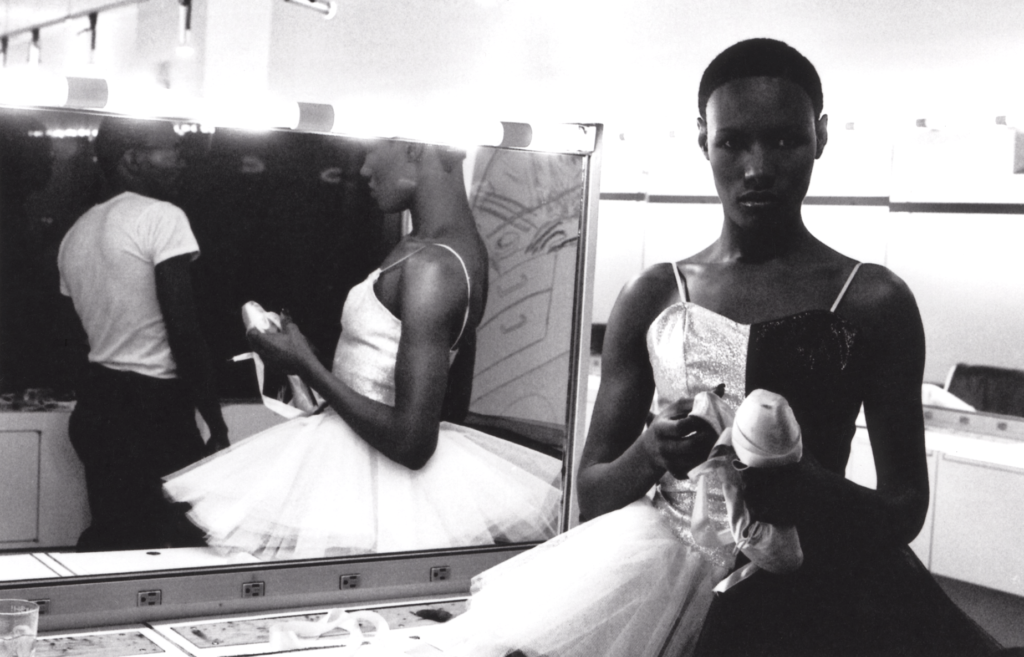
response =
{"points": [[284, 410], [293, 635], [701, 524]]}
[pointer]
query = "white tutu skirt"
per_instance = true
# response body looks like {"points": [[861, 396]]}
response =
{"points": [[621, 585], [311, 487]]}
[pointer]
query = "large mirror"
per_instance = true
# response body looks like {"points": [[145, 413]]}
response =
{"points": [[283, 218]]}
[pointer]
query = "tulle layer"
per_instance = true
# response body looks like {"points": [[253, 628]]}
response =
{"points": [[621, 585], [311, 487]]}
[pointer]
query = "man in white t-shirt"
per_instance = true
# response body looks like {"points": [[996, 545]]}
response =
{"points": [[125, 265]]}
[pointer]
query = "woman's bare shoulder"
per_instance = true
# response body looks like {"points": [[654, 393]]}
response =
{"points": [[434, 276], [654, 286], [878, 298]]}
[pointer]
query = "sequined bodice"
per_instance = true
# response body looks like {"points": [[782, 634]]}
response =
{"points": [[368, 346], [812, 358], [815, 359]]}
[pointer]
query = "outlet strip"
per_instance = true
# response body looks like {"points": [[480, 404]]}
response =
{"points": [[440, 573], [149, 598], [253, 590]]}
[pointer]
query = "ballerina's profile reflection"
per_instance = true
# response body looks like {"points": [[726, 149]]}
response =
{"points": [[380, 470]]}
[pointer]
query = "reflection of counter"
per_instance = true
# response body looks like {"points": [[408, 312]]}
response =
{"points": [[971, 531], [45, 565], [41, 481], [42, 484]]}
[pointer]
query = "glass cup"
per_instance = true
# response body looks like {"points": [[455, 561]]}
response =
{"points": [[19, 622]]}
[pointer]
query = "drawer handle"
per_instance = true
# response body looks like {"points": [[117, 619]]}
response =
{"points": [[508, 329], [505, 291]]}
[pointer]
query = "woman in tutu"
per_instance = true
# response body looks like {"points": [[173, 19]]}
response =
{"points": [[766, 306], [379, 470]]}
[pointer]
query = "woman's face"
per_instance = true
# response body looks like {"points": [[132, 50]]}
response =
{"points": [[391, 174], [761, 138]]}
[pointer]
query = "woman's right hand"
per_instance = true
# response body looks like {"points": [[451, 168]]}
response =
{"points": [[677, 442], [287, 350]]}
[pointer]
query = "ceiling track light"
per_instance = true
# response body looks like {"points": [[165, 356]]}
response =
{"points": [[3, 44], [34, 50], [327, 8], [92, 13], [184, 23], [93, 19]]}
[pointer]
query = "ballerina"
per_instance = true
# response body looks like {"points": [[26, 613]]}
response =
{"points": [[381, 470], [766, 306]]}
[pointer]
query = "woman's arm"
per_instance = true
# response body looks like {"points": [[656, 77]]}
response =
{"points": [[852, 516], [621, 459], [432, 302]]}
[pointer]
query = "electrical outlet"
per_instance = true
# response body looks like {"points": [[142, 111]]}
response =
{"points": [[349, 581], [150, 598], [44, 606], [440, 573], [253, 590]]}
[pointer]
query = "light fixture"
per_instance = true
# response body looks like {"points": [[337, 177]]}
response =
{"points": [[184, 26], [34, 51], [93, 19], [30, 87], [327, 8], [3, 44]]}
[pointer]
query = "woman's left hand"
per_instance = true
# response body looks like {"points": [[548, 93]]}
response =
{"points": [[778, 495], [287, 351]]}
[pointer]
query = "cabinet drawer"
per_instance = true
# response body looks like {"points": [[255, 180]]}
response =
{"points": [[510, 332], [523, 281], [19, 486], [977, 528]]}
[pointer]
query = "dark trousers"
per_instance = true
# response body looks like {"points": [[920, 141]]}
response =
{"points": [[129, 431]]}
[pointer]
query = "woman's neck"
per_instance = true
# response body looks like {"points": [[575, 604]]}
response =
{"points": [[768, 241], [440, 208]]}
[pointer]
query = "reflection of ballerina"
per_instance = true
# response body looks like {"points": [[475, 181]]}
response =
{"points": [[379, 470]]}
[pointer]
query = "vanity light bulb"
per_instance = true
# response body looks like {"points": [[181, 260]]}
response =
{"points": [[30, 87]]}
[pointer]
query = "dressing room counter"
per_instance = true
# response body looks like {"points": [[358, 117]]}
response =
{"points": [[976, 477], [407, 632]]}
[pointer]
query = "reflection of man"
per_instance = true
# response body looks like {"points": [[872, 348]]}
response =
{"points": [[125, 265]]}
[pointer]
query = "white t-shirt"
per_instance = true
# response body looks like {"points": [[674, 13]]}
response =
{"points": [[107, 266]]}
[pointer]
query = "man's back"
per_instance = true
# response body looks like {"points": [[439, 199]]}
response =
{"points": [[107, 265]]}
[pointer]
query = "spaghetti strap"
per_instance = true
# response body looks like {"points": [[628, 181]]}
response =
{"points": [[465, 271], [401, 260], [684, 293], [846, 286]]}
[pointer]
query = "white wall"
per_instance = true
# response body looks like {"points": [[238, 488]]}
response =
{"points": [[623, 63], [640, 61]]}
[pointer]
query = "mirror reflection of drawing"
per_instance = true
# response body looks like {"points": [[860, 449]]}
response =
{"points": [[527, 206], [432, 432]]}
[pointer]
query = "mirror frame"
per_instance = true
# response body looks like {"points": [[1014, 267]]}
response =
{"points": [[103, 600]]}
